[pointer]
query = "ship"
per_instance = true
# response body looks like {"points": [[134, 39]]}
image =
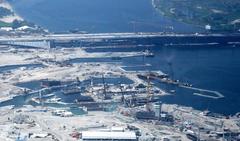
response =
{"points": [[148, 53]]}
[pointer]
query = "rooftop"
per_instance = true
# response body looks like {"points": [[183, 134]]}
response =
{"points": [[108, 135]]}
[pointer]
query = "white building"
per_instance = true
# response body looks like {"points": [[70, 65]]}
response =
{"points": [[108, 136]]}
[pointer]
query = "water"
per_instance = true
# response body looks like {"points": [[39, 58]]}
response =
{"points": [[89, 60], [21, 100], [115, 81], [208, 67], [97, 15], [33, 85]]}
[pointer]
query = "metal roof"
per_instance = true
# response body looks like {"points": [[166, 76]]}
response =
{"points": [[108, 135]]}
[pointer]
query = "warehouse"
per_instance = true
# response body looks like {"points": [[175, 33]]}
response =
{"points": [[108, 136]]}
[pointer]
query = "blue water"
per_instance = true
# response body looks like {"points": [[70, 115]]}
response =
{"points": [[115, 81], [209, 67], [33, 85], [100, 60], [97, 15], [21, 100]]}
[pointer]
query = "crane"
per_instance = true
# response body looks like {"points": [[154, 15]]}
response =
{"points": [[149, 106]]}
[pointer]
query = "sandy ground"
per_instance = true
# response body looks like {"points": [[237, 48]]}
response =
{"points": [[45, 122], [8, 91], [62, 127], [54, 71], [12, 56], [12, 59]]}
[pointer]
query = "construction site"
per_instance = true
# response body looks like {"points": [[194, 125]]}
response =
{"points": [[67, 93]]}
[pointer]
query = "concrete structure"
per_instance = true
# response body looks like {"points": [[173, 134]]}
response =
{"points": [[111, 136], [120, 39], [37, 44]]}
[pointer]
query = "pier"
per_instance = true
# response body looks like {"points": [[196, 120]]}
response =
{"points": [[217, 94], [164, 79]]}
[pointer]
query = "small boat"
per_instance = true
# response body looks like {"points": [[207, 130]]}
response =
{"points": [[54, 100], [187, 84], [36, 100], [147, 53]]}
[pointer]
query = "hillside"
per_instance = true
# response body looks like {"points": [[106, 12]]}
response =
{"points": [[7, 15], [221, 15]]}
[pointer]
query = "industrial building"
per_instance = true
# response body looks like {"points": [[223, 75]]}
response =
{"points": [[108, 136]]}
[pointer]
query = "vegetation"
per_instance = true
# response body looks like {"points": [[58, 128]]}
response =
{"points": [[16, 24], [3, 24], [5, 12], [221, 15]]}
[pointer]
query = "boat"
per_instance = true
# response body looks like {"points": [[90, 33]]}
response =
{"points": [[36, 100], [54, 100], [187, 84], [147, 53]]}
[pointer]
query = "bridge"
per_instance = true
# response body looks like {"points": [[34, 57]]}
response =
{"points": [[52, 40], [37, 44]]}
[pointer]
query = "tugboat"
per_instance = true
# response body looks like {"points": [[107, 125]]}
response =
{"points": [[147, 53]]}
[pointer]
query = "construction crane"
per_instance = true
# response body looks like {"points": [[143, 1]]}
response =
{"points": [[121, 89], [104, 87], [148, 113], [40, 98], [91, 85], [149, 106]]}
